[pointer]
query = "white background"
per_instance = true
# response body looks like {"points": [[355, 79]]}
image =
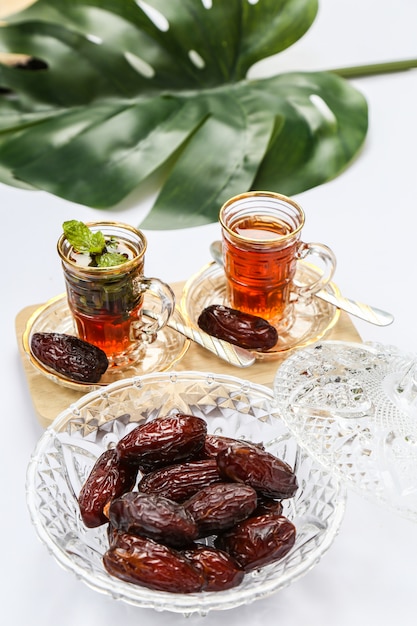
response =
{"points": [[368, 215]]}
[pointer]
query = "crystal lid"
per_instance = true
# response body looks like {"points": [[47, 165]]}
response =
{"points": [[353, 407]]}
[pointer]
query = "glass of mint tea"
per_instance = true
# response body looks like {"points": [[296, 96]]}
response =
{"points": [[103, 265]]}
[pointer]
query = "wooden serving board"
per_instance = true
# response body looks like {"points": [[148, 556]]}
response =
{"points": [[49, 398]]}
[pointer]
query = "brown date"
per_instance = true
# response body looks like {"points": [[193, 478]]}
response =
{"points": [[219, 570], [113, 535], [69, 356], [153, 516], [109, 479], [213, 444], [220, 506], [120, 539], [163, 441], [242, 329], [180, 481], [258, 468], [258, 541], [155, 566], [268, 505]]}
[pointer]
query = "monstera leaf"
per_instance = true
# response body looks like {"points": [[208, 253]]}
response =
{"points": [[117, 90]]}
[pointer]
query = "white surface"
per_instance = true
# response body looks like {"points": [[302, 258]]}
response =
{"points": [[368, 215]]}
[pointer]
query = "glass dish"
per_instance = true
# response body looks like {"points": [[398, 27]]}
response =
{"points": [[352, 406], [312, 319], [55, 316], [66, 453]]}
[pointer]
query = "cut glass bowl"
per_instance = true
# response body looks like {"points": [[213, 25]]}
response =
{"points": [[69, 447]]}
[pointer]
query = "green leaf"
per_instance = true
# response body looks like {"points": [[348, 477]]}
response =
{"points": [[126, 89], [97, 243], [94, 244], [110, 259], [82, 239], [224, 155]]}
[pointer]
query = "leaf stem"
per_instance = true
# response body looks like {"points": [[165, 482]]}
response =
{"points": [[361, 71]]}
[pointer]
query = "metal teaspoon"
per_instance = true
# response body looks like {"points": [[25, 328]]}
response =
{"points": [[359, 309]]}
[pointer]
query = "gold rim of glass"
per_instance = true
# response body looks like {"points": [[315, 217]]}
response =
{"points": [[114, 269], [259, 194]]}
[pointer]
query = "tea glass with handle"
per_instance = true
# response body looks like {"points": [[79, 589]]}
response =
{"points": [[262, 245], [106, 302]]}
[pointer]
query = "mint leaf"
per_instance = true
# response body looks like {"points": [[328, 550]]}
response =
{"points": [[97, 242], [85, 241], [108, 259], [78, 235]]}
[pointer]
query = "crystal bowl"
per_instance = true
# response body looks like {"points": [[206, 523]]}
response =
{"points": [[236, 408]]}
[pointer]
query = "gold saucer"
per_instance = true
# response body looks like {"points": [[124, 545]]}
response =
{"points": [[312, 319], [55, 316]]}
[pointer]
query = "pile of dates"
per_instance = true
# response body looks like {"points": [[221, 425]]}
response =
{"points": [[188, 511]]}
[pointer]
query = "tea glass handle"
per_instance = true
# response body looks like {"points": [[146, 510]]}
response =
{"points": [[162, 306], [328, 263]]}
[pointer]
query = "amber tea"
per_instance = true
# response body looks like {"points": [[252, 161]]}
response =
{"points": [[260, 277], [261, 247]]}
